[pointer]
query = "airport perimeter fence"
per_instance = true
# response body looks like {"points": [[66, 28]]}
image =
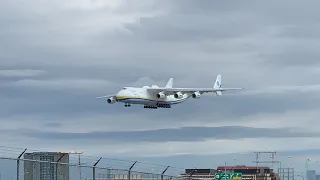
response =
{"points": [[28, 169], [28, 166]]}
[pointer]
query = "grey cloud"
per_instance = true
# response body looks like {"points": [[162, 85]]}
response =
{"points": [[21, 73], [302, 32], [301, 57], [247, 42], [53, 124], [64, 103], [178, 28], [165, 135]]}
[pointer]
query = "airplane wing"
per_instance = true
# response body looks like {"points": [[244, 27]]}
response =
{"points": [[107, 96], [215, 89], [171, 91]]}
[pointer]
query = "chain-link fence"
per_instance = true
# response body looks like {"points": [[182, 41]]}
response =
{"points": [[66, 166]]}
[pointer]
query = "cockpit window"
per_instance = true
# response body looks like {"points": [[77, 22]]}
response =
{"points": [[124, 88]]}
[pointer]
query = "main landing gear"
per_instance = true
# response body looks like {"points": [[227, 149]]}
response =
{"points": [[127, 105], [163, 105], [150, 107], [157, 106]]}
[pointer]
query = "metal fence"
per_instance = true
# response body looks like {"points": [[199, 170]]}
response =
{"points": [[19, 164], [29, 169]]}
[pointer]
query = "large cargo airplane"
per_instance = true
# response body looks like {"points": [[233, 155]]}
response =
{"points": [[162, 97]]}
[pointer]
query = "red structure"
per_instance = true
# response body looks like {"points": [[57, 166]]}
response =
{"points": [[246, 169]]}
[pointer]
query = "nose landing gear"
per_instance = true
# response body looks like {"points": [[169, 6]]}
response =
{"points": [[127, 105]]}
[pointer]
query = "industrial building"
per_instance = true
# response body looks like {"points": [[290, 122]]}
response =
{"points": [[248, 173], [311, 175], [46, 171]]}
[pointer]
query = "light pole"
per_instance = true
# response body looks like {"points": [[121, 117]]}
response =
{"points": [[307, 168], [289, 161]]}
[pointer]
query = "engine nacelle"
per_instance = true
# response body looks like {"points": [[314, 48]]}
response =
{"points": [[196, 95], [111, 100], [178, 95], [161, 95]]}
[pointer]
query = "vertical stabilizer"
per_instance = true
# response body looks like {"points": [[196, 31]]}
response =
{"points": [[169, 83], [217, 85]]}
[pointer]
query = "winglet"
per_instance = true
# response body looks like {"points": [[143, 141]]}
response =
{"points": [[169, 83]]}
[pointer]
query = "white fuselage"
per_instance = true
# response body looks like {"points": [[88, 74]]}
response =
{"points": [[141, 96]]}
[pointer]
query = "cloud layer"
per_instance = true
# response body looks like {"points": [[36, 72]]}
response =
{"points": [[57, 56]]}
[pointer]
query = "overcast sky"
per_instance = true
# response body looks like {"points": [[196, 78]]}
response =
{"points": [[57, 56]]}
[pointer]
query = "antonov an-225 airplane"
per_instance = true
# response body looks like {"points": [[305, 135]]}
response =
{"points": [[162, 97]]}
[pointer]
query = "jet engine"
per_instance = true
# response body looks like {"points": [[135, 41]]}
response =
{"points": [[196, 95], [161, 95], [178, 95], [111, 100]]}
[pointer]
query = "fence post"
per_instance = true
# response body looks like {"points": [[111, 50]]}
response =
{"points": [[164, 172], [18, 163], [129, 173], [94, 169], [193, 171], [57, 162]]}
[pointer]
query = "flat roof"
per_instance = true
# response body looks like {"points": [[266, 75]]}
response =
{"points": [[241, 167]]}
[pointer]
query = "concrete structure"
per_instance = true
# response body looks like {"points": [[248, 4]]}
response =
{"points": [[317, 177], [46, 171], [311, 175]]}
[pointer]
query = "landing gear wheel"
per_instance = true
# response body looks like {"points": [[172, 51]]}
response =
{"points": [[127, 105], [150, 107], [163, 105]]}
